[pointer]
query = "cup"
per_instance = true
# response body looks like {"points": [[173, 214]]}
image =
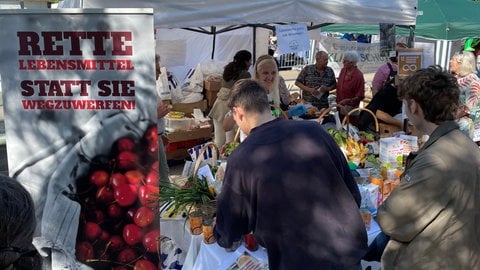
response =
{"points": [[195, 220], [367, 217], [207, 230]]}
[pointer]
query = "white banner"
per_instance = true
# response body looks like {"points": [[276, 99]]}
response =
{"points": [[75, 84], [370, 58]]}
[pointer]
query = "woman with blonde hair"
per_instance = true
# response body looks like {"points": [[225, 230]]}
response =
{"points": [[462, 64], [265, 71]]}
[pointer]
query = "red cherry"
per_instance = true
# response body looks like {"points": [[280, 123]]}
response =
{"points": [[125, 144], [151, 134], [132, 234], [116, 242], [148, 196], [144, 216], [152, 148], [104, 195], [104, 236], [144, 265], [151, 241], [92, 231], [155, 166], [127, 255], [127, 160], [130, 213], [99, 216], [117, 179], [135, 177], [125, 194], [152, 178], [99, 178], [84, 251], [114, 210]]}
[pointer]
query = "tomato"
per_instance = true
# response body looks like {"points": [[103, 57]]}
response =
{"points": [[151, 241], [144, 216], [132, 234], [125, 194], [99, 178], [144, 265]]}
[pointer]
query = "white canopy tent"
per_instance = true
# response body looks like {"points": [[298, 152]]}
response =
{"points": [[192, 32], [187, 13]]}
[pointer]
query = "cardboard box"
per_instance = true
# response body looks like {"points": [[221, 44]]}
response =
{"points": [[391, 151], [212, 85], [188, 107], [177, 154], [210, 96], [183, 135], [179, 150]]}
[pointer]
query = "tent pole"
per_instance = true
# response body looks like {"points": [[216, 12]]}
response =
{"points": [[214, 31], [254, 47]]}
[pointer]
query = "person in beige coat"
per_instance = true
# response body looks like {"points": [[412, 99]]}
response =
{"points": [[433, 217]]}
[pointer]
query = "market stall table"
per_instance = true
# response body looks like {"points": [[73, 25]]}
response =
{"points": [[202, 256]]}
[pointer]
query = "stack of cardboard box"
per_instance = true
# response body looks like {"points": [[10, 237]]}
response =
{"points": [[210, 90], [177, 142]]}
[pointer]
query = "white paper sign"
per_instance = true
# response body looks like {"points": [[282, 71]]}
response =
{"points": [[292, 38]]}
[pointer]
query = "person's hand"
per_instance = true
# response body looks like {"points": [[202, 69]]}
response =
{"points": [[323, 89], [344, 101], [315, 92], [162, 110]]}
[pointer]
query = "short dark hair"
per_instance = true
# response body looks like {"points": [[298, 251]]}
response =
{"points": [[17, 227], [435, 90], [249, 95]]}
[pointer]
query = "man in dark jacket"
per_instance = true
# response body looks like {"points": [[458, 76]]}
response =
{"points": [[289, 184]]}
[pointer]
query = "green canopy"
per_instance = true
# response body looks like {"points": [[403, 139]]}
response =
{"points": [[436, 19], [448, 19]]}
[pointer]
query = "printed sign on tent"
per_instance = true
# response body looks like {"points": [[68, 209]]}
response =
{"points": [[81, 131], [292, 38]]}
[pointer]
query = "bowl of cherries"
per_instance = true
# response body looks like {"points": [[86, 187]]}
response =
{"points": [[119, 224]]}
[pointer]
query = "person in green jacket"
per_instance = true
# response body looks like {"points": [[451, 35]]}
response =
{"points": [[433, 217]]}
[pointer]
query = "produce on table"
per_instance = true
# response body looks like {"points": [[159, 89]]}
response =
{"points": [[228, 148], [194, 195], [175, 114], [355, 151]]}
